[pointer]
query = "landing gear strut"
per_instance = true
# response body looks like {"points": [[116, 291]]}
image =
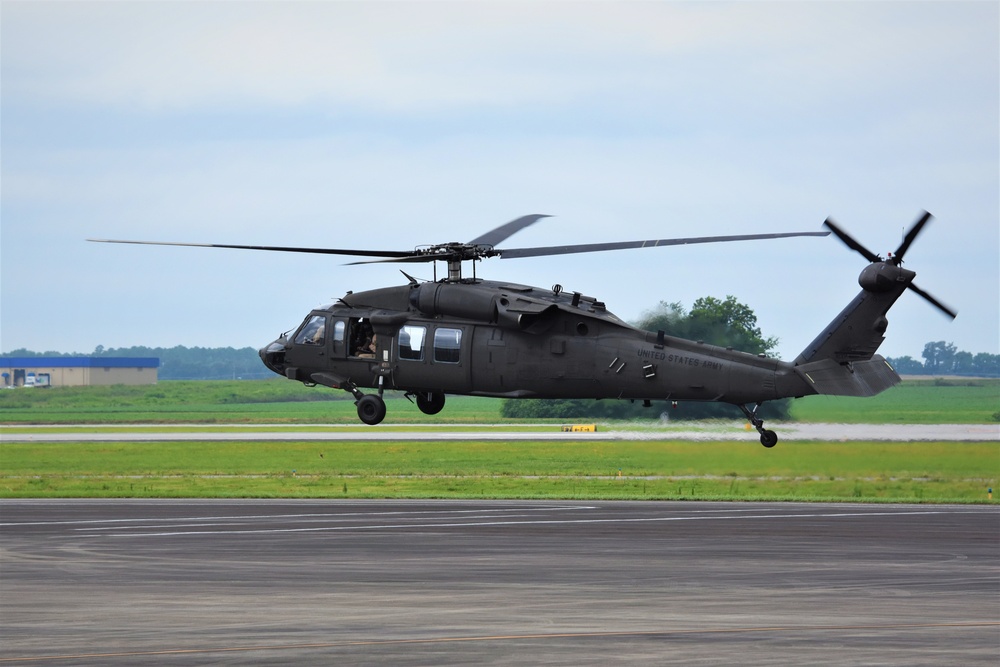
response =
{"points": [[767, 438]]}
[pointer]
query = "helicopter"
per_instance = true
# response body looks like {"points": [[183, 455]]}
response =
{"points": [[463, 335]]}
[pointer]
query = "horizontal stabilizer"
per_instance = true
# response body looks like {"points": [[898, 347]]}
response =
{"points": [[860, 378]]}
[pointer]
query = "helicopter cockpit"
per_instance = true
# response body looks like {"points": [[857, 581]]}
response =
{"points": [[321, 335]]}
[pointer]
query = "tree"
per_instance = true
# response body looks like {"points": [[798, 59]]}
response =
{"points": [[906, 365], [987, 364], [939, 357], [963, 363], [726, 323]]}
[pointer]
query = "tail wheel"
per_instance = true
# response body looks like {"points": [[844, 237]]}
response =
{"points": [[431, 402], [371, 409]]}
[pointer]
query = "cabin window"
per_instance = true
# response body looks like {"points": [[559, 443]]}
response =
{"points": [[313, 332], [411, 342], [447, 344]]}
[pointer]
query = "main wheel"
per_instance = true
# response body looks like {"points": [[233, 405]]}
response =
{"points": [[371, 409], [768, 438], [430, 403]]}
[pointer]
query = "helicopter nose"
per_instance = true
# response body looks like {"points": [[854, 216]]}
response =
{"points": [[273, 356]]}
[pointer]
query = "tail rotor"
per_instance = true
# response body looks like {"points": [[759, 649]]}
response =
{"points": [[896, 259]]}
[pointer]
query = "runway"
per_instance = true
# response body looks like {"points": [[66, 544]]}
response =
{"points": [[88, 582], [706, 431]]}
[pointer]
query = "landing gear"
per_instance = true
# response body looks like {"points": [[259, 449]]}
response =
{"points": [[430, 402], [767, 438], [371, 409]]}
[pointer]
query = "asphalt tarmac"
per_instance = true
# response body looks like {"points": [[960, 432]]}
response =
{"points": [[85, 582]]}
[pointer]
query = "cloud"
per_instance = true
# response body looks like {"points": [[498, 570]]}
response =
{"points": [[427, 57], [398, 124]]}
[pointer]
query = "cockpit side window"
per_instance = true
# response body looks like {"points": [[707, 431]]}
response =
{"points": [[313, 331]]}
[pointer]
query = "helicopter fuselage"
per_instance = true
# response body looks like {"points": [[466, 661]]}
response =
{"points": [[487, 338]]}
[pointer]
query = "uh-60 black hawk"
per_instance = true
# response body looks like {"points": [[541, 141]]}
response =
{"points": [[469, 336]]}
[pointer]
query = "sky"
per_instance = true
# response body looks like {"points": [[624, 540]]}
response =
{"points": [[390, 125]]}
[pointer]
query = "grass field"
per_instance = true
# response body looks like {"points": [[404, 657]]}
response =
{"points": [[912, 402], [282, 402], [650, 469], [853, 471]]}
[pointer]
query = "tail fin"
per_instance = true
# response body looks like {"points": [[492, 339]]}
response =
{"points": [[842, 360], [857, 332]]}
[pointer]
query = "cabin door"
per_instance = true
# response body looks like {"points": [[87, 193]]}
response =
{"points": [[433, 357]]}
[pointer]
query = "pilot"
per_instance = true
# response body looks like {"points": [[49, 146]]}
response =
{"points": [[318, 334], [367, 349]]}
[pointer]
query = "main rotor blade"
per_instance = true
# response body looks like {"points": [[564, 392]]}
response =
{"points": [[911, 235], [510, 253], [318, 251], [850, 242], [495, 236], [934, 302], [410, 258]]}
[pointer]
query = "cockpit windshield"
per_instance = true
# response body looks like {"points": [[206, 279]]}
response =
{"points": [[313, 331]]}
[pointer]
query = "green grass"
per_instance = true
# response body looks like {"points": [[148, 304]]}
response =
{"points": [[217, 402], [855, 471], [912, 402], [653, 469], [282, 402]]}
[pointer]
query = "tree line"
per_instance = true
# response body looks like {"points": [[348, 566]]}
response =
{"points": [[941, 358], [182, 363]]}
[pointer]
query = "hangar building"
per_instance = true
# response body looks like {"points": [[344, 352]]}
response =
{"points": [[77, 371]]}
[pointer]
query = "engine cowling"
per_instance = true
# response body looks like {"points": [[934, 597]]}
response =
{"points": [[452, 300]]}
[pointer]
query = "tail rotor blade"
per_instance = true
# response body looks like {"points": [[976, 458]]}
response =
{"points": [[850, 242], [911, 235], [950, 312]]}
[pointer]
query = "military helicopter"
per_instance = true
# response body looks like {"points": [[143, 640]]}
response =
{"points": [[469, 336]]}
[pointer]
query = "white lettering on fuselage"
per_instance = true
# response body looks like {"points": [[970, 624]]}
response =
{"points": [[707, 364]]}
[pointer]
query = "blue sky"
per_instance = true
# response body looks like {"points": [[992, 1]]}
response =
{"points": [[395, 124]]}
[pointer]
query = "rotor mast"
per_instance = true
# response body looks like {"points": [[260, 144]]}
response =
{"points": [[454, 270]]}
